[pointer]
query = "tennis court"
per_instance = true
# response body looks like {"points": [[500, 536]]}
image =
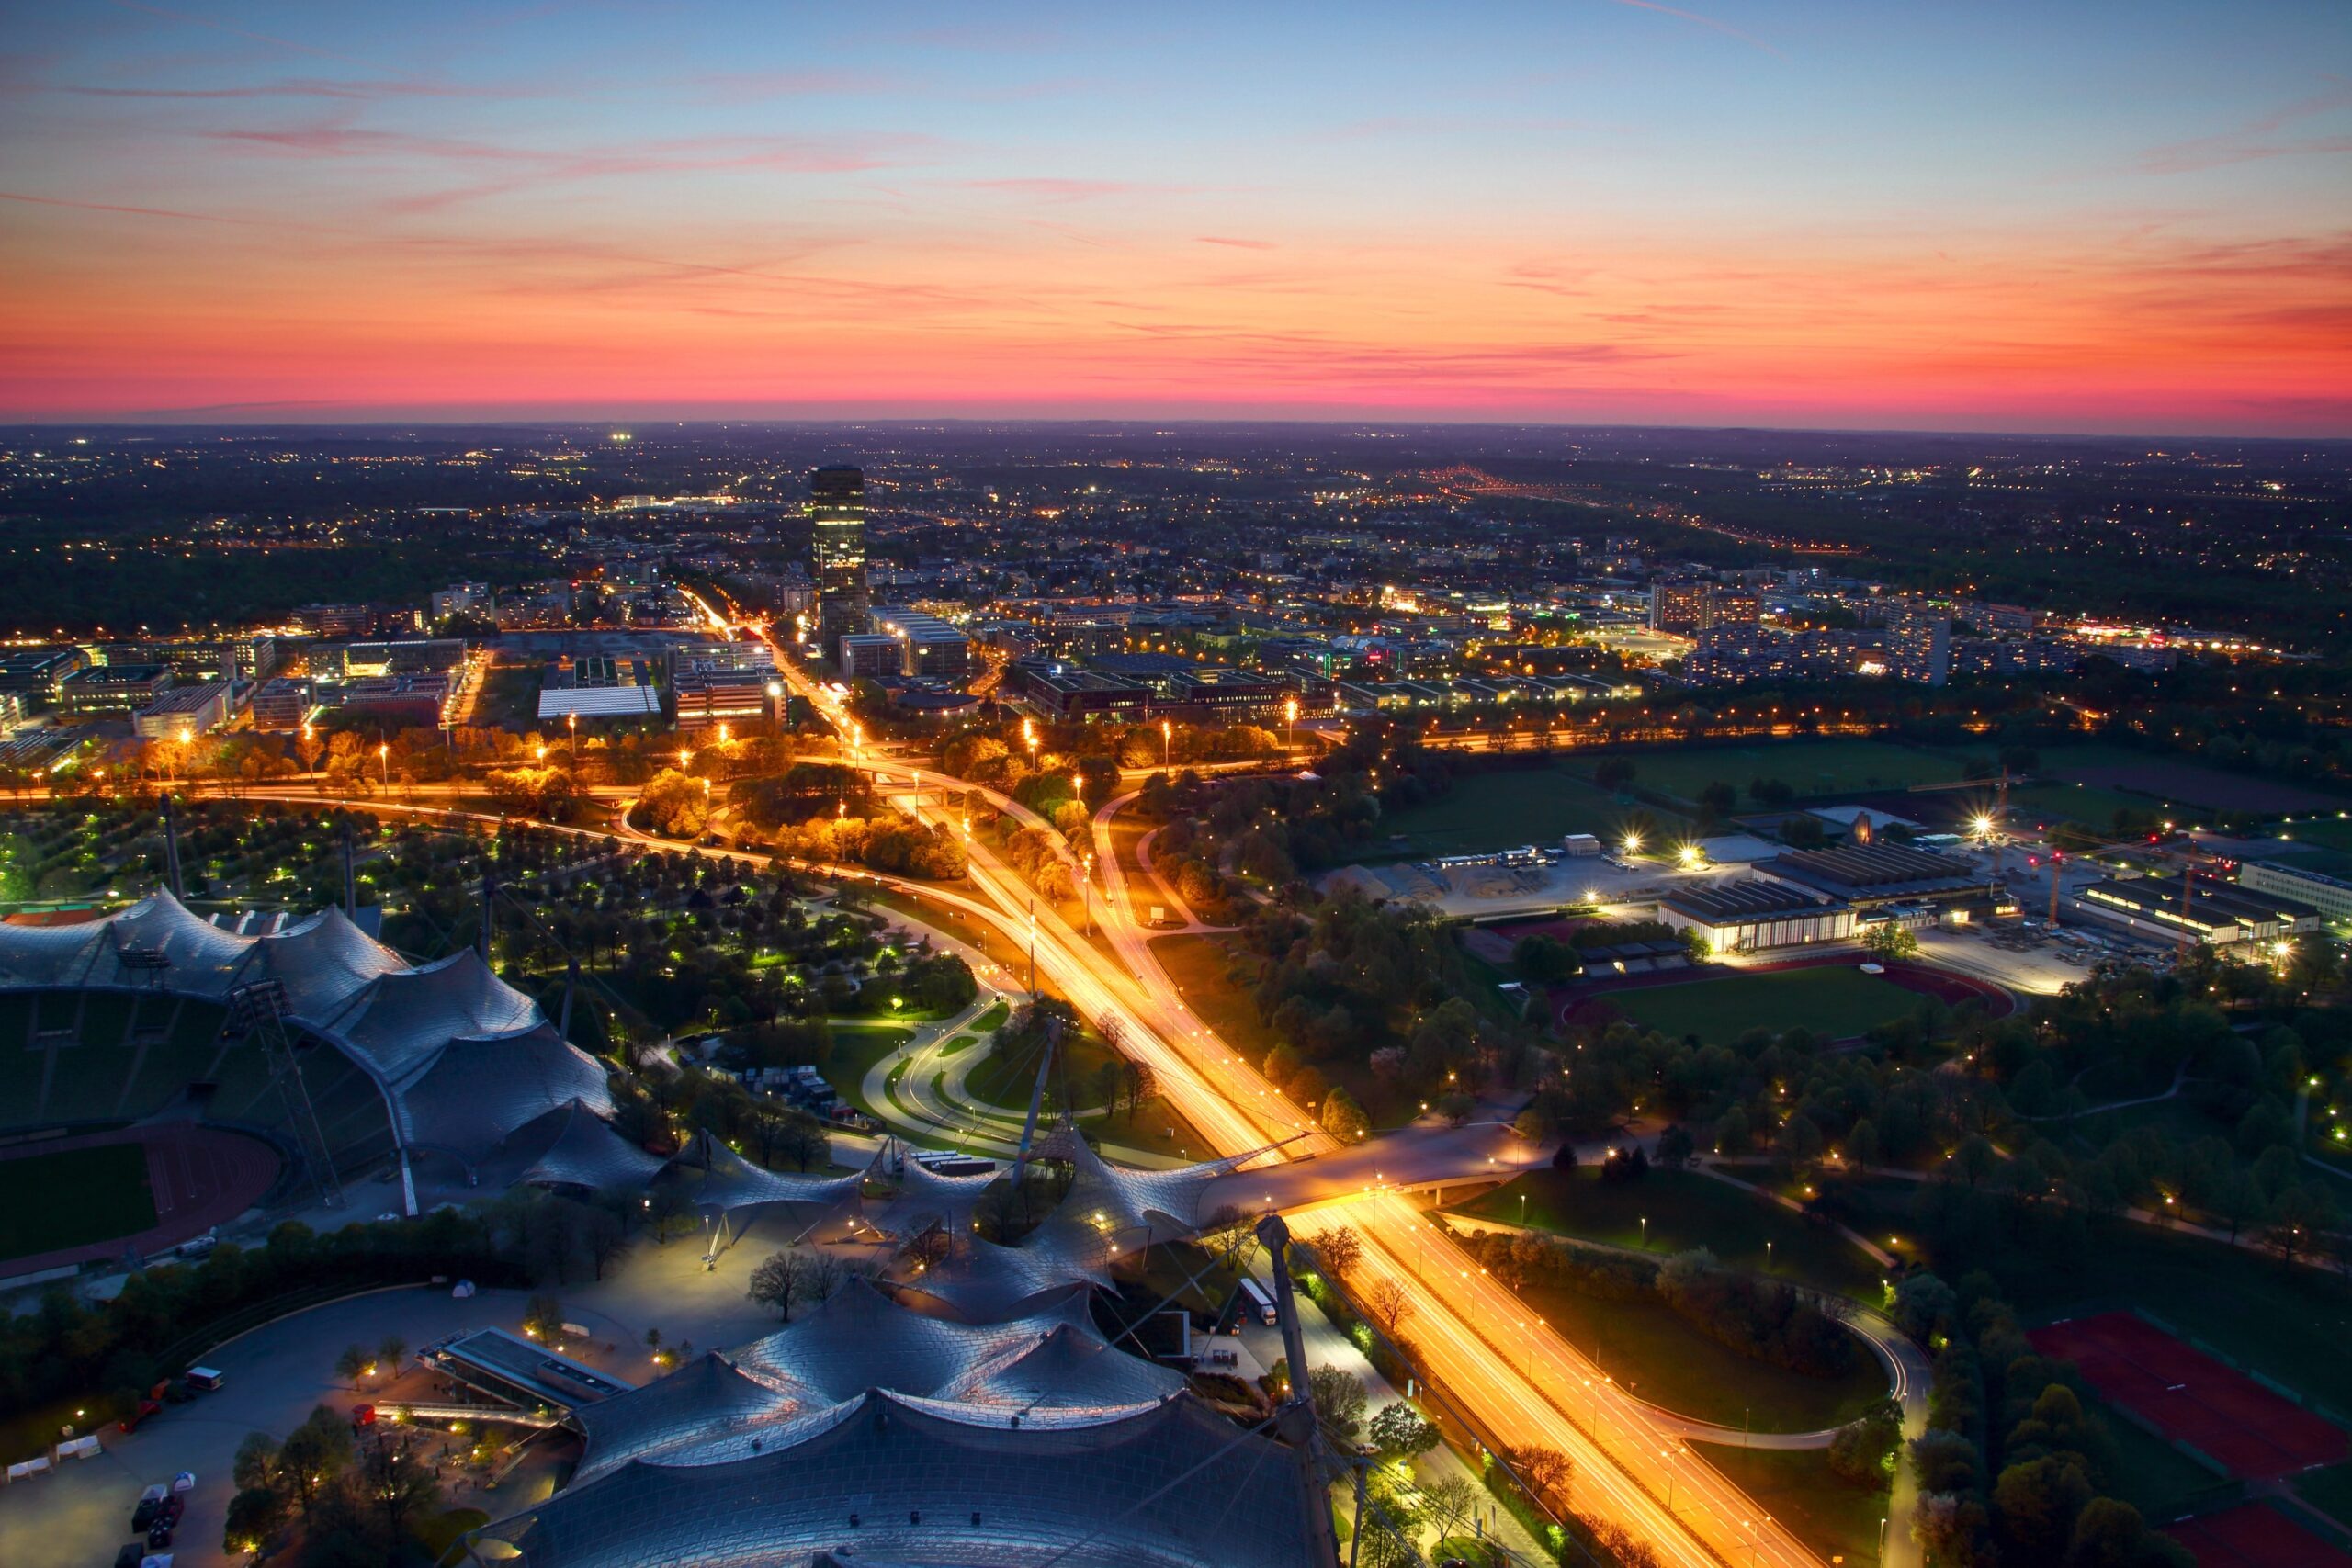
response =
{"points": [[2190, 1397], [2255, 1534]]}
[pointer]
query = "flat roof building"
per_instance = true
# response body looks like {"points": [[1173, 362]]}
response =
{"points": [[1864, 874], [2222, 914], [183, 713], [113, 688], [1753, 915]]}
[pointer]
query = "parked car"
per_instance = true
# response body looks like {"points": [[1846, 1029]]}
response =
{"points": [[159, 1536], [150, 1503], [174, 1507], [131, 1554]]}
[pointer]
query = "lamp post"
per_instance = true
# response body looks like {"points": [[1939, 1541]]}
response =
{"points": [[573, 719], [384, 759]]}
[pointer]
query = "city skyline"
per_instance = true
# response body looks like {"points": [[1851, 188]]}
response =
{"points": [[1598, 213]]}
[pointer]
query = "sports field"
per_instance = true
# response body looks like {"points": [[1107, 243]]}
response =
{"points": [[1833, 1000], [1503, 811], [2172, 782], [73, 1198], [1813, 769], [2214, 1408], [2256, 1535]]}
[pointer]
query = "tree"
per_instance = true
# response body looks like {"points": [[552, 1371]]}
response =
{"points": [[1391, 1303], [396, 1484], [777, 1281], [1890, 943], [1399, 1432], [1544, 1470], [1860, 1452], [255, 1468], [315, 1453], [1342, 1248], [2109, 1533], [391, 1352], [354, 1363], [256, 1513], [1230, 1238], [543, 1319], [1674, 1148], [674, 804], [1448, 1503], [1339, 1397], [1343, 1117], [667, 1208]]}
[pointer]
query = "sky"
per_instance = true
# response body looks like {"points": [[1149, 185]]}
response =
{"points": [[2068, 215]]}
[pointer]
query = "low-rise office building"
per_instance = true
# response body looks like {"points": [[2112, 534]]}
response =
{"points": [[183, 713], [281, 705], [2331, 896], [113, 688]]}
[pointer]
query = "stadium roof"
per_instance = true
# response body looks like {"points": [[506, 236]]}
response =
{"points": [[462, 1058], [904, 1480]]}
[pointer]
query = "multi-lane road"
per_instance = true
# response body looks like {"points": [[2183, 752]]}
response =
{"points": [[1470, 1335]]}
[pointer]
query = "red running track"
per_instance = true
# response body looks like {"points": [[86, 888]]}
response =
{"points": [[2253, 1535], [200, 1177], [2192, 1398]]}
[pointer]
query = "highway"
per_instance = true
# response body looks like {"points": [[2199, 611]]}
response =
{"points": [[1469, 1334]]}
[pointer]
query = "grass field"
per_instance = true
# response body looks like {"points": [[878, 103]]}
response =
{"points": [[1815, 769], [2329, 1491], [1684, 1209], [73, 1198], [2091, 806], [2150, 1474], [2163, 781], [1795, 1487], [857, 1045], [1657, 1356], [2328, 832], [1501, 810], [1835, 1000]]}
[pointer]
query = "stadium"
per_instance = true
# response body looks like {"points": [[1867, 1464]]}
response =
{"points": [[319, 1041], [963, 1411]]}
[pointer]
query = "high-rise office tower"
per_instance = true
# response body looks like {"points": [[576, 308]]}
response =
{"points": [[837, 507]]}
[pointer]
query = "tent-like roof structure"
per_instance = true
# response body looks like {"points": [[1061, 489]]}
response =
{"points": [[860, 1339], [583, 1151], [462, 1058], [721, 1408], [731, 1183], [1160, 1485]]}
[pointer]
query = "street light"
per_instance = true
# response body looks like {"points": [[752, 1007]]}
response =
{"points": [[384, 758], [1165, 730]]}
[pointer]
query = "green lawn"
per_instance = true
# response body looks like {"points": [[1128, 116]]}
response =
{"points": [[1815, 769], [1795, 1487], [1501, 810], [994, 1018], [1659, 1357], [2089, 806], [857, 1045], [2329, 1491], [1196, 965], [73, 1198], [1684, 1209], [2328, 832], [1834, 1000], [2150, 1474]]}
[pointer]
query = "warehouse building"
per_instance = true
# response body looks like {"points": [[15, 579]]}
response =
{"points": [[1753, 915]]}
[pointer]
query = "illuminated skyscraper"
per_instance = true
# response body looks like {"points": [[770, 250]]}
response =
{"points": [[837, 507]]}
